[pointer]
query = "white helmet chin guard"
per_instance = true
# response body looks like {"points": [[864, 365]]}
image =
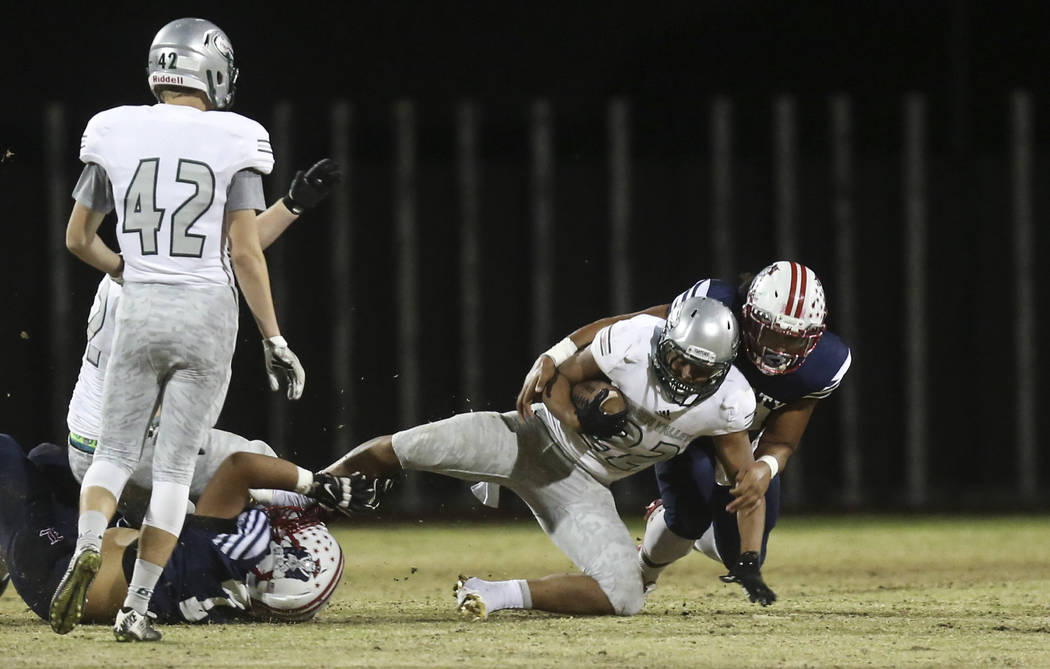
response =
{"points": [[193, 53], [303, 569], [783, 317]]}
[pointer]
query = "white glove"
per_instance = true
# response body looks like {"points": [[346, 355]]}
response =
{"points": [[280, 361]]}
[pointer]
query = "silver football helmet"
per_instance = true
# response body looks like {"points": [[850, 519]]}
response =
{"points": [[783, 317], [702, 332], [193, 53]]}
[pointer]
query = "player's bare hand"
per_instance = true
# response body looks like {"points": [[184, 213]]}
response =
{"points": [[283, 364], [752, 482], [536, 381]]}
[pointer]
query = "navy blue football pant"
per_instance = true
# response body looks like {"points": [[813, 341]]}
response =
{"points": [[38, 519], [693, 501]]}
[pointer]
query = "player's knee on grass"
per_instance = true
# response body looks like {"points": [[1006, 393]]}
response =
{"points": [[624, 588]]}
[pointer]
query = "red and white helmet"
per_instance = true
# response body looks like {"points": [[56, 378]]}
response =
{"points": [[303, 569], [783, 317]]}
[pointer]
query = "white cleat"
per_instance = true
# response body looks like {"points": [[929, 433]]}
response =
{"points": [[133, 626], [469, 601], [654, 512]]}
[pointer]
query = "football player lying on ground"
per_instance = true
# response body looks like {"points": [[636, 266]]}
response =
{"points": [[232, 562], [791, 362], [677, 383]]}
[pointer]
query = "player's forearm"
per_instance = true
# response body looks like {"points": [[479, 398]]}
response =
{"points": [[254, 279], [273, 222], [751, 525], [83, 241], [783, 430], [585, 335], [227, 491], [94, 252], [559, 402], [782, 452]]}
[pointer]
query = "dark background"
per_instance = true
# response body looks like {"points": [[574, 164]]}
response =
{"points": [[667, 59]]}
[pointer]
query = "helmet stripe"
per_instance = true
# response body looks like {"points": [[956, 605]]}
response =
{"points": [[801, 293], [791, 291]]}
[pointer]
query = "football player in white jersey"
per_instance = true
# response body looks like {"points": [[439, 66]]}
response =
{"points": [[84, 418], [171, 167], [676, 380], [791, 362]]}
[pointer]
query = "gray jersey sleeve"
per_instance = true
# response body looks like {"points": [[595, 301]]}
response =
{"points": [[246, 192], [93, 189]]}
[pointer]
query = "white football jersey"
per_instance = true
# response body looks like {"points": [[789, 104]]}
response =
{"points": [[85, 407], [171, 167], [657, 428]]}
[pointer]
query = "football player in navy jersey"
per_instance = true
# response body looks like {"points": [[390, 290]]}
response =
{"points": [[791, 362], [232, 561]]}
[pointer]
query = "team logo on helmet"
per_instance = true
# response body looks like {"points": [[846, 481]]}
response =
{"points": [[219, 42], [292, 562]]}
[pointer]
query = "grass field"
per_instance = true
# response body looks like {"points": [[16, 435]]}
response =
{"points": [[854, 591]]}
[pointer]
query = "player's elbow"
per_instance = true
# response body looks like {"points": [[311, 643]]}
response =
{"points": [[76, 240], [246, 260]]}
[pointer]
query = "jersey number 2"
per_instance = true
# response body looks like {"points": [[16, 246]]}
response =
{"points": [[141, 214]]}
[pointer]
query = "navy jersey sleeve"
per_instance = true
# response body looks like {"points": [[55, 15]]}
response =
{"points": [[204, 581]]}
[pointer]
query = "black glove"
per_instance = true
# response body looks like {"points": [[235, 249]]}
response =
{"points": [[594, 421], [746, 572], [352, 494], [310, 187]]}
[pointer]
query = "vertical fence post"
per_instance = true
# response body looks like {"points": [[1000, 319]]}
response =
{"points": [[724, 260], [618, 126], [541, 129], [60, 306], [406, 240], [785, 161], [846, 289], [340, 260], [915, 297], [471, 275], [283, 142], [1024, 288], [785, 156]]}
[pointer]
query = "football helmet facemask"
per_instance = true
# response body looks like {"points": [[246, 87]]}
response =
{"points": [[703, 332], [783, 317], [193, 53]]}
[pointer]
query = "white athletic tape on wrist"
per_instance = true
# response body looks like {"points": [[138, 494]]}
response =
{"points": [[306, 480], [774, 465], [561, 351]]}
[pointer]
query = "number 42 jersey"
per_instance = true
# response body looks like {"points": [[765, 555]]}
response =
{"points": [[171, 167]]}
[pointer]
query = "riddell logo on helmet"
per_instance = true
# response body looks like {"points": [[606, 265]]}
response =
{"points": [[173, 79]]}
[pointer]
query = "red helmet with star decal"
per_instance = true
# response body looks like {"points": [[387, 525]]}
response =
{"points": [[783, 317], [303, 569]]}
